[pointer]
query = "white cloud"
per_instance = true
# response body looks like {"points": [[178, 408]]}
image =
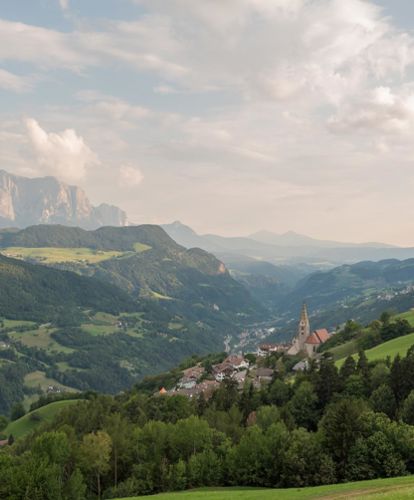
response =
{"points": [[64, 4], [15, 83], [130, 176], [379, 110], [63, 154]]}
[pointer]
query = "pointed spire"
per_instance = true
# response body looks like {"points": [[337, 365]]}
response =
{"points": [[304, 314]]}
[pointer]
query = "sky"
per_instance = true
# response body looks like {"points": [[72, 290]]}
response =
{"points": [[231, 116]]}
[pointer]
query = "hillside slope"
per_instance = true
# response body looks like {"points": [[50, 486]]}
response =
{"points": [[151, 266], [40, 293]]}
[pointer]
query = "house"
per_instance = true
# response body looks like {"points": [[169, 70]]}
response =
{"points": [[237, 362], [301, 366], [4, 442], [264, 375], [266, 349], [240, 377], [187, 383], [222, 370]]}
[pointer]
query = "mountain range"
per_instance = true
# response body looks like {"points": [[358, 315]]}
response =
{"points": [[288, 248], [46, 200]]}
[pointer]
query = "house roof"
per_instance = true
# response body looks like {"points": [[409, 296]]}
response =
{"points": [[234, 359], [264, 372]]}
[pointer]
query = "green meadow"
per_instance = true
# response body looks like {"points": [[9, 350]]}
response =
{"points": [[50, 255], [385, 489], [391, 348], [30, 421]]}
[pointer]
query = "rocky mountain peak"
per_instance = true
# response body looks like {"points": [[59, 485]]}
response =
{"points": [[45, 200]]}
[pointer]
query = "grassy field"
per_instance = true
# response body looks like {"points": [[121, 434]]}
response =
{"points": [[13, 323], [37, 379], [391, 348], [386, 489], [40, 338], [31, 420], [60, 255]]}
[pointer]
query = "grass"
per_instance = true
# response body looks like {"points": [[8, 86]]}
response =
{"points": [[40, 338], [141, 247], [409, 316], [31, 420], [391, 348], [36, 379], [12, 323], [386, 489], [60, 255]]}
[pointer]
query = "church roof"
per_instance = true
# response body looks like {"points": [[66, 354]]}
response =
{"points": [[318, 337], [322, 334]]}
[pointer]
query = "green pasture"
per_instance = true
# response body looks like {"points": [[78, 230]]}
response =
{"points": [[384, 489], [40, 338], [391, 348], [38, 379], [31, 420], [49, 255]]}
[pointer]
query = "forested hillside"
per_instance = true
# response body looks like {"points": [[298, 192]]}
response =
{"points": [[325, 426], [38, 293]]}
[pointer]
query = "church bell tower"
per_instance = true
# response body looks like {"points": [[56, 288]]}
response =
{"points": [[304, 327]]}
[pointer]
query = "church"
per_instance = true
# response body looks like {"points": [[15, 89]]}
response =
{"points": [[306, 342]]}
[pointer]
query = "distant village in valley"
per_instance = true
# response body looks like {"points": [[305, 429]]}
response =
{"points": [[253, 367]]}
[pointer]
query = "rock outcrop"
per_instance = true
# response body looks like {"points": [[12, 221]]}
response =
{"points": [[25, 202]]}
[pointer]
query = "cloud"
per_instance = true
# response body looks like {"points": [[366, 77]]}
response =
{"points": [[64, 4], [379, 110], [63, 154], [44, 48], [130, 176], [15, 83]]}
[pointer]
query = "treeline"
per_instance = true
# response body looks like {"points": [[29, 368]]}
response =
{"points": [[327, 426]]}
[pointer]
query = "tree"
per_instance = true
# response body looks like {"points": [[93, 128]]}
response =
{"points": [[267, 416], [407, 412], [303, 406], [383, 400], [327, 381], [119, 431], [279, 393], [348, 368], [17, 411], [341, 427], [95, 455], [305, 462]]}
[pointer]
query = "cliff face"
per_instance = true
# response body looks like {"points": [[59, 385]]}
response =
{"points": [[26, 202]]}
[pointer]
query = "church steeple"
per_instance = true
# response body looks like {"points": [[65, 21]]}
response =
{"points": [[304, 326], [304, 314]]}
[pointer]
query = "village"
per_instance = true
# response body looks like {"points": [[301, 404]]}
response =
{"points": [[252, 367]]}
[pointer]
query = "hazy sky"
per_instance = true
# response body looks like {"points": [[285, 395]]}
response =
{"points": [[229, 115]]}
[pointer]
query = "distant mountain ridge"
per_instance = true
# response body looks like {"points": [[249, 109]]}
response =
{"points": [[292, 239], [286, 248], [45, 200]]}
